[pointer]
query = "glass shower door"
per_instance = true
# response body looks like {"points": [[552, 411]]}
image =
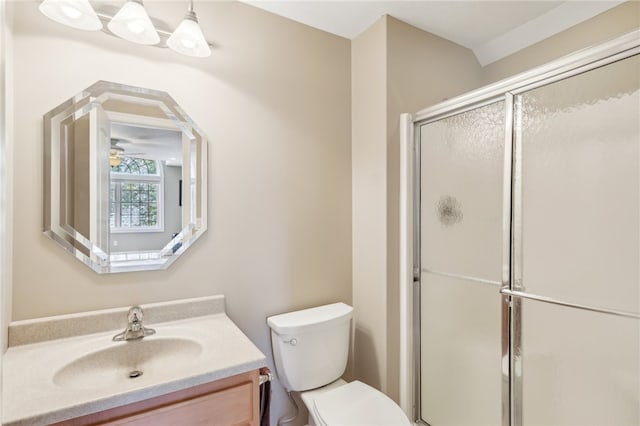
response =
{"points": [[461, 191], [578, 143], [556, 342]]}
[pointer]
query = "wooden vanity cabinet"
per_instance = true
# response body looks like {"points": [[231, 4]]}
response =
{"points": [[225, 402]]}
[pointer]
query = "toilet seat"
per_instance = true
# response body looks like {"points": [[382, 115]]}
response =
{"points": [[356, 403]]}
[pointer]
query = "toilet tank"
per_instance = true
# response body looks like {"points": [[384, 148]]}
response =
{"points": [[311, 346]]}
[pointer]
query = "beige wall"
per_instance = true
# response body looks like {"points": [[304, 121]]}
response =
{"points": [[369, 180], [395, 69], [4, 244], [600, 28], [274, 100]]}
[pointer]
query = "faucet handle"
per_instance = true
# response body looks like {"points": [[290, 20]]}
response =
{"points": [[135, 330], [135, 314]]}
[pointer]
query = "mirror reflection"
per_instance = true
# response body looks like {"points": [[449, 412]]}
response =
{"points": [[125, 178]]}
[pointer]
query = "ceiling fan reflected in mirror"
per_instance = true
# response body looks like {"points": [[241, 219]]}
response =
{"points": [[116, 152]]}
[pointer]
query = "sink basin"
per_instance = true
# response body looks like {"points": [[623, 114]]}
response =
{"points": [[125, 364], [64, 367]]}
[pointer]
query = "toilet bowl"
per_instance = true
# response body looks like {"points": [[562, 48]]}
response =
{"points": [[310, 350], [353, 403]]}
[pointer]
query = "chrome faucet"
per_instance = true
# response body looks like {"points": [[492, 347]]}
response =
{"points": [[135, 330]]}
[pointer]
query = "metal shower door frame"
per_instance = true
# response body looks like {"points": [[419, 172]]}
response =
{"points": [[509, 91]]}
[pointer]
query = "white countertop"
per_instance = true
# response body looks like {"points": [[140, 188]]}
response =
{"points": [[31, 396]]}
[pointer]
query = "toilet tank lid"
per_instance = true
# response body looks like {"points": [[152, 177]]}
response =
{"points": [[312, 318]]}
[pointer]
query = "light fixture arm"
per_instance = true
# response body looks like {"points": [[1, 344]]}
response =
{"points": [[191, 14]]}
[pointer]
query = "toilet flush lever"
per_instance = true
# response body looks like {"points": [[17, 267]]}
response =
{"points": [[292, 341]]}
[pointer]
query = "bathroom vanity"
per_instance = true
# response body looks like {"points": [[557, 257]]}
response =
{"points": [[230, 401], [67, 370]]}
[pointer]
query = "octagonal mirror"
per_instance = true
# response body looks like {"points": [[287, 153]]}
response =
{"points": [[124, 179]]}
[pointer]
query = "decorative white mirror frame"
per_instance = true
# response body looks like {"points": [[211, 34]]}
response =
{"points": [[78, 210]]}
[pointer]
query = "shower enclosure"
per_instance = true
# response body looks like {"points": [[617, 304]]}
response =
{"points": [[525, 280]]}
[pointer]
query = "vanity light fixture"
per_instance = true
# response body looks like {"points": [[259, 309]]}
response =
{"points": [[74, 13], [188, 38], [131, 23]]}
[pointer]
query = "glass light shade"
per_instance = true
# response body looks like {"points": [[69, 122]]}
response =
{"points": [[73, 13], [188, 39], [114, 159], [133, 23]]}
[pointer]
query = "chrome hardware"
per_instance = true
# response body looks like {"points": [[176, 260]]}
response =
{"points": [[523, 295], [135, 329], [292, 341], [264, 378]]}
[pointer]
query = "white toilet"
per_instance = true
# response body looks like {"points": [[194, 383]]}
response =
{"points": [[310, 349]]}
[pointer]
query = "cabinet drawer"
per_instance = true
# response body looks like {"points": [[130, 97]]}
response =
{"points": [[232, 401], [232, 406]]}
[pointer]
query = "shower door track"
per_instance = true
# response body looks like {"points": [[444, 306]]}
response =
{"points": [[510, 288]]}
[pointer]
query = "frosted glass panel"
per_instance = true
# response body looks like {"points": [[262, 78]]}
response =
{"points": [[460, 365], [585, 372], [461, 193], [581, 187], [462, 160]]}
